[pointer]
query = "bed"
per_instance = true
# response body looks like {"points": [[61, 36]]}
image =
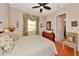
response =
{"points": [[33, 46]]}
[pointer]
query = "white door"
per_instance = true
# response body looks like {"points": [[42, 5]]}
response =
{"points": [[59, 28]]}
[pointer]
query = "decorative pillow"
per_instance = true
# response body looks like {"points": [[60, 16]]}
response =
{"points": [[70, 38], [7, 43]]}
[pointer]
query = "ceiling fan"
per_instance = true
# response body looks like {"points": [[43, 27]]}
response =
{"points": [[41, 6]]}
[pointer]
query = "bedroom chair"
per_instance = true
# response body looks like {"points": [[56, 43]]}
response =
{"points": [[71, 41]]}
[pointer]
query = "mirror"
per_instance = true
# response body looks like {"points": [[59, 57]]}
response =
{"points": [[48, 25]]}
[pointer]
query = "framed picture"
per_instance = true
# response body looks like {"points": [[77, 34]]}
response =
{"points": [[48, 25], [41, 25], [74, 23]]}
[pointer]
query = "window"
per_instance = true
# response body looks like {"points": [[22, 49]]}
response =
{"points": [[31, 25]]}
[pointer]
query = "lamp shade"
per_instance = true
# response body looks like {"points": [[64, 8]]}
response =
{"points": [[10, 29], [6, 30]]}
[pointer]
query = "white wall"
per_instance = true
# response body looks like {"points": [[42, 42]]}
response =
{"points": [[16, 14], [72, 14], [42, 21], [4, 14]]}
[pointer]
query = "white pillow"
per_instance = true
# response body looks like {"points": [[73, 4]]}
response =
{"points": [[1, 43], [70, 38], [3, 38]]}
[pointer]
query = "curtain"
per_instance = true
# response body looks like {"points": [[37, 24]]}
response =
{"points": [[25, 23], [37, 26]]}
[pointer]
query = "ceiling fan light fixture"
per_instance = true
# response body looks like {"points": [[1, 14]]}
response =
{"points": [[41, 7]]}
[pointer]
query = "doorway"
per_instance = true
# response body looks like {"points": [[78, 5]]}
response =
{"points": [[61, 27]]}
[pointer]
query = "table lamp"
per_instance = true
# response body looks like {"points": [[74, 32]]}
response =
{"points": [[10, 30]]}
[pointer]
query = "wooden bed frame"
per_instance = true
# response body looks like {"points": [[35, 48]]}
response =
{"points": [[50, 36]]}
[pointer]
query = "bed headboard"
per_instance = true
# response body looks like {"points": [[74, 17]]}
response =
{"points": [[50, 36]]}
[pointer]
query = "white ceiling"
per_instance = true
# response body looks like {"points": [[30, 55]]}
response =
{"points": [[28, 8]]}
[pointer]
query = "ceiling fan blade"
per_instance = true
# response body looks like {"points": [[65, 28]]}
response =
{"points": [[44, 4], [41, 10], [40, 4], [46, 7], [36, 7]]}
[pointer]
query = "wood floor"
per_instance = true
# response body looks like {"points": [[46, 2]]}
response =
{"points": [[66, 51]]}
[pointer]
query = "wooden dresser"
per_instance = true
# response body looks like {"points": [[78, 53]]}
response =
{"points": [[50, 36]]}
